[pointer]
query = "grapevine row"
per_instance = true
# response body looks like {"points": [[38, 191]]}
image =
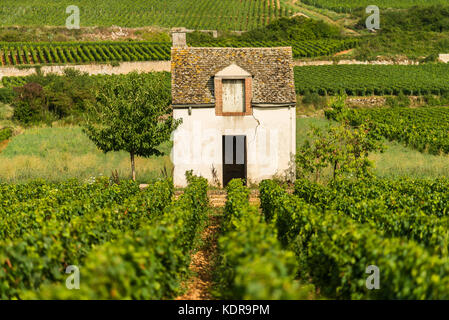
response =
{"points": [[251, 256], [397, 208], [38, 243], [68, 52], [91, 52], [366, 80], [425, 129], [148, 262], [335, 250], [301, 49]]}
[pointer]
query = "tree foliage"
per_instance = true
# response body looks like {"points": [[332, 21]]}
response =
{"points": [[341, 147], [52, 97], [132, 114], [434, 18]]}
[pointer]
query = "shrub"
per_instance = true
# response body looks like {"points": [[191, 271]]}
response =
{"points": [[5, 134], [24, 113], [297, 28], [28, 103], [6, 95], [430, 100], [314, 99]]}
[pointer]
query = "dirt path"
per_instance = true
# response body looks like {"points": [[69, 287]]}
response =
{"points": [[203, 261], [343, 52], [200, 285]]}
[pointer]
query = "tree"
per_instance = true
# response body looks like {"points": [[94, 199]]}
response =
{"points": [[132, 113], [341, 148]]}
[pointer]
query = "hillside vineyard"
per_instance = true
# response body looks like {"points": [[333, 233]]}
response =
{"points": [[207, 14]]}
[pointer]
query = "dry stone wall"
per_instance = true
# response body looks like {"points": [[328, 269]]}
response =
{"points": [[92, 69]]}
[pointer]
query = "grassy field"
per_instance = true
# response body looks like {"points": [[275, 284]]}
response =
{"points": [[5, 114], [205, 14], [56, 154]]}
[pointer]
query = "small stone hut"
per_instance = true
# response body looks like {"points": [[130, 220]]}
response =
{"points": [[237, 107]]}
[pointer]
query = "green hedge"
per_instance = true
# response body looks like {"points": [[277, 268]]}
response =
{"points": [[253, 266], [148, 263], [334, 250]]}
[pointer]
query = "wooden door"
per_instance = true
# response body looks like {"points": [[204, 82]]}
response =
{"points": [[234, 158]]}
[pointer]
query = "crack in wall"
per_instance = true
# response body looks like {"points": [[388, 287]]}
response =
{"points": [[255, 130]]}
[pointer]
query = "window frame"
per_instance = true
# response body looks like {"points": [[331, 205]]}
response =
{"points": [[218, 88]]}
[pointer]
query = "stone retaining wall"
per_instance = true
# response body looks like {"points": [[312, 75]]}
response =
{"points": [[156, 66], [92, 69]]}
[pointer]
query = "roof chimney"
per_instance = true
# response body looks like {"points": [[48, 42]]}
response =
{"points": [[179, 37]]}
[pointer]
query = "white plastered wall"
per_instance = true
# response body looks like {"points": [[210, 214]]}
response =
{"points": [[271, 143]]}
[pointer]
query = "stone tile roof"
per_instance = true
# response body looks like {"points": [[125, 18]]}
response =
{"points": [[193, 70]]}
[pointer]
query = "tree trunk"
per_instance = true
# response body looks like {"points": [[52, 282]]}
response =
{"points": [[335, 168], [133, 167]]}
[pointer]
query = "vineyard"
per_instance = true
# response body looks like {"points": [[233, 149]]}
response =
{"points": [[301, 49], [355, 80], [134, 244], [311, 236], [210, 14], [77, 52], [13, 81], [425, 129], [111, 231], [12, 54], [366, 80], [339, 230], [349, 5]]}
